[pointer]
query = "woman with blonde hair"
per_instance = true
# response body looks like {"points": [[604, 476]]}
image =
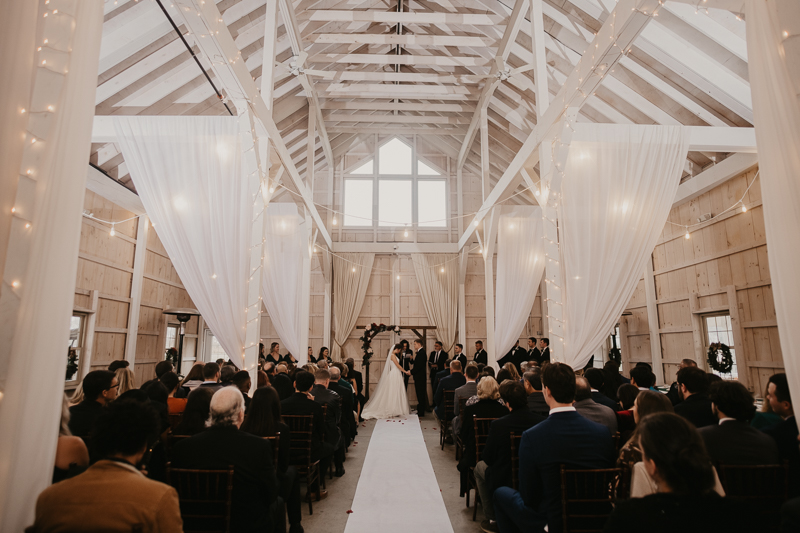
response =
{"points": [[72, 456], [512, 369], [126, 379]]}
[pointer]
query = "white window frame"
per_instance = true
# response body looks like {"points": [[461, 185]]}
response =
{"points": [[81, 341], [732, 344]]}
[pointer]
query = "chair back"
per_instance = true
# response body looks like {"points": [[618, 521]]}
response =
{"points": [[175, 420], [762, 488], [205, 498], [481, 427], [462, 407], [449, 404], [302, 427], [516, 439], [587, 498], [275, 441]]}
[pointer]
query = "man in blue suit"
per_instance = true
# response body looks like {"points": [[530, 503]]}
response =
{"points": [[565, 437], [455, 380]]}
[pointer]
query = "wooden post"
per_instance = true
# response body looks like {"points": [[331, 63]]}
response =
{"points": [[652, 321], [738, 338], [140, 253], [489, 240]]}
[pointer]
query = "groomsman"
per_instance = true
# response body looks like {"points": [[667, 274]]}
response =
{"points": [[419, 372], [544, 350], [459, 355], [480, 354], [436, 361], [533, 352], [516, 356]]}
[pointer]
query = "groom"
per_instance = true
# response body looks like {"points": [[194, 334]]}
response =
{"points": [[420, 377]]}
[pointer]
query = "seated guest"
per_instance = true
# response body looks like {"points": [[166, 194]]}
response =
{"points": [[511, 368], [263, 419], [465, 391], [489, 405], [282, 382], [211, 375], [612, 379], [324, 355], [99, 389], [441, 375], [596, 380], [674, 394], [255, 486], [274, 355], [627, 394], [785, 432], [126, 380], [226, 374], [171, 381], [241, 380], [642, 377], [494, 468], [113, 494], [695, 405], [588, 408], [323, 364], [192, 380], [532, 381], [646, 403], [733, 441], [119, 363], [72, 455], [764, 418], [359, 379], [302, 403], [674, 456], [196, 412], [564, 438], [263, 380], [451, 382], [333, 436], [162, 367], [348, 420]]}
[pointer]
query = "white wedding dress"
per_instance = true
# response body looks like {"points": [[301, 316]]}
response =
{"points": [[390, 397]]}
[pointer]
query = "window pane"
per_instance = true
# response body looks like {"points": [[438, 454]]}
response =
{"points": [[358, 202], [367, 168], [217, 352], [425, 170], [394, 202], [432, 203], [395, 158]]}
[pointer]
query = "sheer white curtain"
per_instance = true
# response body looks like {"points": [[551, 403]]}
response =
{"points": [[619, 185], [520, 265], [437, 275], [773, 64], [285, 258], [351, 272], [188, 173]]}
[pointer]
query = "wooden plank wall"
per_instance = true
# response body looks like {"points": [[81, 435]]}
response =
{"points": [[722, 267]]}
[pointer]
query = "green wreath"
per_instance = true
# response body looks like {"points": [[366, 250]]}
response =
{"points": [[720, 358]]}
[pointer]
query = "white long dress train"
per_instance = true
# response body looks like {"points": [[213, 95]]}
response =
{"points": [[390, 397]]}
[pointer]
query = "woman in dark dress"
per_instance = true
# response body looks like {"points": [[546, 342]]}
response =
{"points": [[198, 408]]}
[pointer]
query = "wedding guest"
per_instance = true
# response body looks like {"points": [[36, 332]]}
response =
{"points": [[465, 391], [117, 364], [226, 374], [99, 389], [359, 381], [627, 394], [72, 455], [451, 382], [674, 456], [126, 380], [255, 486], [544, 351], [674, 390], [642, 377], [592, 410], [333, 415], [458, 355], [480, 356], [511, 368], [494, 468], [612, 379], [242, 381], [436, 363], [503, 375], [324, 355], [263, 379], [323, 364], [192, 380], [342, 388], [170, 380], [564, 438], [274, 355], [196, 412], [785, 432], [77, 397], [264, 420], [532, 381], [597, 381], [211, 375], [695, 405], [733, 441], [646, 403], [113, 494]]}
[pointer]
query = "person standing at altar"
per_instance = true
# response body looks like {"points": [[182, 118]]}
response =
{"points": [[406, 356], [436, 362], [533, 352], [419, 371], [458, 355], [544, 350], [480, 354], [515, 356], [274, 356]]}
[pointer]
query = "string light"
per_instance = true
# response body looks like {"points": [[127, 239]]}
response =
{"points": [[213, 276], [112, 232], [744, 208], [15, 284], [688, 235], [27, 225], [334, 221]]}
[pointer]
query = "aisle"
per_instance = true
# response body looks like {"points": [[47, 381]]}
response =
{"points": [[397, 491]]}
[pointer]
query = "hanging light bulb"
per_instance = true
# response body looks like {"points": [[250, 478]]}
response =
{"points": [[688, 235], [112, 232], [398, 278], [354, 269], [334, 221], [744, 208], [441, 270], [405, 233]]}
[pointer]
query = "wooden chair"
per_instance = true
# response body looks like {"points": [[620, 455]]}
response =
{"points": [[462, 407], [205, 498], [275, 441], [481, 428], [516, 439], [174, 420], [449, 413], [587, 498], [302, 427], [172, 441], [762, 488]]}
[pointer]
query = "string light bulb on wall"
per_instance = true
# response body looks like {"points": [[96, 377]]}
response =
{"points": [[112, 232]]}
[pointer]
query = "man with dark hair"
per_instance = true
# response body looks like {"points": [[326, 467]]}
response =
{"points": [[480, 354], [494, 470], [544, 351], [255, 485], [419, 371], [99, 389], [302, 403], [356, 375], [451, 382], [458, 355], [113, 494], [465, 391], [732, 441], [642, 377], [116, 365], [693, 388], [533, 352], [436, 362], [532, 381], [226, 374], [565, 437], [592, 410], [674, 394], [343, 389], [242, 381], [515, 356], [162, 367], [211, 375], [333, 415], [784, 433], [282, 382], [596, 381]]}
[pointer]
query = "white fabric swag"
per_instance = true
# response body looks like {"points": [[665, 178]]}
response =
{"points": [[520, 265], [437, 275], [351, 273], [775, 83], [189, 176], [619, 186], [286, 258]]}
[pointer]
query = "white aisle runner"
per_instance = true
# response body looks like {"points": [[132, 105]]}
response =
{"points": [[397, 491]]}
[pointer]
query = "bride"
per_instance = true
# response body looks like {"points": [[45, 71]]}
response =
{"points": [[390, 397]]}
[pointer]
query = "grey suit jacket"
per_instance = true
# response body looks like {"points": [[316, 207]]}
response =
{"points": [[465, 391], [597, 413]]}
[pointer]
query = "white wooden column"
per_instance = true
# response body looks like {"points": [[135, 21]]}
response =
{"points": [[489, 241], [324, 258], [463, 259], [485, 168], [137, 280], [652, 321], [305, 293]]}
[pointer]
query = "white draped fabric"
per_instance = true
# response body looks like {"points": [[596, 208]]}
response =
{"points": [[619, 185], [351, 272], [520, 265], [773, 61], [437, 275], [286, 256], [188, 173]]}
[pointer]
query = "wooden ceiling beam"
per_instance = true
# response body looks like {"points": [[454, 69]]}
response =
{"points": [[396, 119], [399, 40], [398, 106], [376, 59], [393, 17]]}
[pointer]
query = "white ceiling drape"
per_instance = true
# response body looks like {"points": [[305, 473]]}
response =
{"points": [[188, 172], [286, 257], [619, 186], [520, 265], [773, 63], [437, 275]]}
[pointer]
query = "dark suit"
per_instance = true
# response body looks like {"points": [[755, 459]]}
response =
{"points": [[602, 399], [785, 435], [283, 385], [405, 359], [563, 438], [537, 405], [213, 386], [544, 356], [436, 362], [348, 421], [697, 410], [736, 443], [483, 409], [83, 416], [451, 382], [356, 375], [481, 357], [461, 358], [333, 417], [255, 487], [534, 354], [300, 404], [419, 371], [515, 356], [496, 452]]}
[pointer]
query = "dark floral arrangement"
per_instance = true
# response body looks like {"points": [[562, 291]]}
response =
{"points": [[171, 355], [369, 333], [720, 358], [72, 363]]}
